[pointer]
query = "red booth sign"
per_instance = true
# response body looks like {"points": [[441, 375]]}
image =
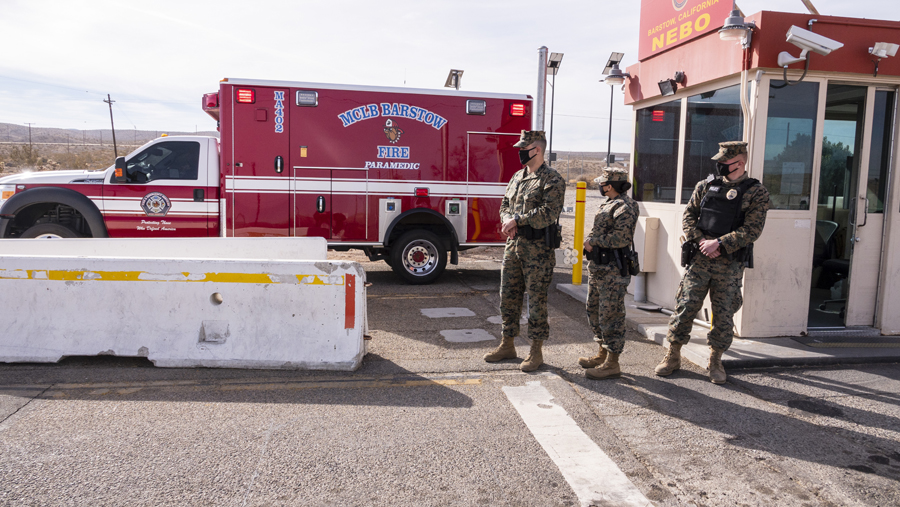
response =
{"points": [[668, 23]]}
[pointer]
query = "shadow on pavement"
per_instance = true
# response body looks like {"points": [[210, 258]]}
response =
{"points": [[752, 426], [137, 380]]}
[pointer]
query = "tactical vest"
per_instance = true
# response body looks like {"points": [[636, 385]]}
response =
{"points": [[720, 209]]}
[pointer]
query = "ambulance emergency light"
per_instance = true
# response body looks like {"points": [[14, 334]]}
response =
{"points": [[807, 41], [245, 95], [517, 110]]}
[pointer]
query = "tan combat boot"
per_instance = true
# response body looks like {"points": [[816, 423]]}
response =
{"points": [[593, 362], [609, 369], [506, 350], [672, 361], [716, 370], [535, 357]]}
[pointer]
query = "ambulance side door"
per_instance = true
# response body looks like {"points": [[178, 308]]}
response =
{"points": [[164, 195], [258, 182]]}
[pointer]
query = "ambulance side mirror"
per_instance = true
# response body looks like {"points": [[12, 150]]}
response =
{"points": [[119, 174]]}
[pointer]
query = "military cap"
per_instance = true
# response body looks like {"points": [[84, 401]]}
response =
{"points": [[730, 149], [613, 174], [530, 136]]}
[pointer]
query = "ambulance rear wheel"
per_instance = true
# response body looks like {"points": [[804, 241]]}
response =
{"points": [[49, 231], [418, 257]]}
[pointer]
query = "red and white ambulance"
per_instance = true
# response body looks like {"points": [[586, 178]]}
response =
{"points": [[409, 176]]}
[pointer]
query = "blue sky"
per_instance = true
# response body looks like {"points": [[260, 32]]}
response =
{"points": [[156, 59]]}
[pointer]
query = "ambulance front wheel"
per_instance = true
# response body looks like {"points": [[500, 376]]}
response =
{"points": [[49, 231], [418, 257]]}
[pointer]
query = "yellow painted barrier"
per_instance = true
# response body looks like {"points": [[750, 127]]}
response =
{"points": [[577, 268]]}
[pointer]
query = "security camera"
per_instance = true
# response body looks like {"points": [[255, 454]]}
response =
{"points": [[807, 41]]}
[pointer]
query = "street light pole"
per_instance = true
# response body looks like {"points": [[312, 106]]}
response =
{"points": [[614, 77], [612, 92], [552, 101], [553, 67]]}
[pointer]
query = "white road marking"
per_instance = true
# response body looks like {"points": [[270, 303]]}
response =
{"points": [[437, 313], [595, 478], [467, 335]]}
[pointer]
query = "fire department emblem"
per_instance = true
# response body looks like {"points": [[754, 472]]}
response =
{"points": [[156, 204], [731, 194], [679, 4], [392, 131]]}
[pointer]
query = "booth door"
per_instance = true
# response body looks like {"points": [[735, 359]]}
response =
{"points": [[867, 216], [856, 150]]}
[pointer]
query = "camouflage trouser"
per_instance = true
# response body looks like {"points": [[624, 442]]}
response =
{"points": [[527, 266], [606, 306], [722, 279]]}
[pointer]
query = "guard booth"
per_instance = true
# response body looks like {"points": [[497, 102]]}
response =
{"points": [[823, 139]]}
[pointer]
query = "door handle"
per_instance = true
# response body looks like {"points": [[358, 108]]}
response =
{"points": [[320, 204], [198, 195], [865, 214], [279, 164]]}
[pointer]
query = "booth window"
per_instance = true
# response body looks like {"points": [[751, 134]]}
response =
{"points": [[656, 152], [712, 118], [880, 154], [790, 144]]}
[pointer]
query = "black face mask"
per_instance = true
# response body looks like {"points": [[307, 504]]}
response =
{"points": [[523, 156], [602, 191], [725, 169]]}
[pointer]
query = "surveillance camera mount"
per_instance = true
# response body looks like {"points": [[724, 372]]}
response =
{"points": [[882, 50], [785, 67], [809, 42]]}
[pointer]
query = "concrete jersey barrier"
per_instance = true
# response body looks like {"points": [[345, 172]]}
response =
{"points": [[237, 313], [310, 249]]}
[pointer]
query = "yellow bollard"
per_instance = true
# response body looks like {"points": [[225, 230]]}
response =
{"points": [[581, 190]]}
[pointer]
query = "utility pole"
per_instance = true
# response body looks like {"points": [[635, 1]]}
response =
{"points": [[29, 135], [110, 101]]}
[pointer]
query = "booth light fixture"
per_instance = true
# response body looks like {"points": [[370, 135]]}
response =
{"points": [[882, 50], [736, 29], [670, 86]]}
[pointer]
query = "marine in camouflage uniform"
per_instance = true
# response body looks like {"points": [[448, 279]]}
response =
{"points": [[714, 269], [613, 228], [533, 200]]}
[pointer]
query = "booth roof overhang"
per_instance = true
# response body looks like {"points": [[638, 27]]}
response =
{"points": [[708, 58]]}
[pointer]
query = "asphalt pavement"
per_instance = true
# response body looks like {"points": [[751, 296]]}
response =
{"points": [[425, 421]]}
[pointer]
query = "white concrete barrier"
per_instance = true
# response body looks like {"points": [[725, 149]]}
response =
{"points": [[177, 312], [310, 249]]}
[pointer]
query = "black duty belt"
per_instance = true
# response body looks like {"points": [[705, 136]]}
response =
{"points": [[529, 232]]}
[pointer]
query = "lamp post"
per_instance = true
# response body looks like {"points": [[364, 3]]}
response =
{"points": [[553, 67], [453, 79], [614, 77]]}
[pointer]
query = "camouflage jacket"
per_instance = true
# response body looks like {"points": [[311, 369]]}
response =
{"points": [[534, 199], [754, 205], [615, 222]]}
